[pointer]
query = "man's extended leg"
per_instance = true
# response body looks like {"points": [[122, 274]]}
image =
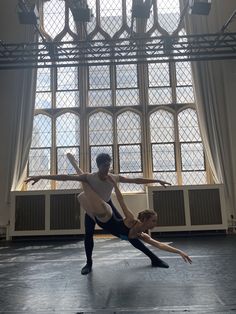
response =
{"points": [[89, 224], [138, 244]]}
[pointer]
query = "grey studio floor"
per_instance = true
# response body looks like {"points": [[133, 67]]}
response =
{"points": [[44, 277]]}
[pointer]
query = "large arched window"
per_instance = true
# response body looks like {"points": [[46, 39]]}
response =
{"points": [[193, 166], [100, 136], [129, 147], [142, 114], [162, 135]]}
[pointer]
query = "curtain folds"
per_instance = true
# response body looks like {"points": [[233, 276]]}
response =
{"points": [[210, 82], [16, 110]]}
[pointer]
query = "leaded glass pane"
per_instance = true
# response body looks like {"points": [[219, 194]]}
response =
{"points": [[111, 16], [130, 158], [67, 78], [99, 77], [64, 166], [53, 17], [91, 25], [183, 73], [43, 100], [195, 177], [67, 99], [95, 151], [192, 156], [41, 136], [185, 95], [170, 177], [163, 157], [39, 164], [188, 126], [99, 98], [127, 97], [162, 127], [68, 130], [168, 14], [159, 74], [43, 79], [160, 96], [126, 75], [100, 129], [128, 128], [130, 187]]}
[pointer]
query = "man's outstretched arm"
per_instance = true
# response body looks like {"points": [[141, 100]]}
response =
{"points": [[142, 181]]}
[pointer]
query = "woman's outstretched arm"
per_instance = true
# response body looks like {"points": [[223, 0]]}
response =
{"points": [[57, 177], [165, 247]]}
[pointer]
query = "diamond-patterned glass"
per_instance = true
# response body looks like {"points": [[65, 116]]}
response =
{"points": [[183, 73], [91, 25], [43, 79], [163, 157], [99, 77], [162, 127], [188, 126], [170, 177], [64, 166], [192, 157], [42, 130], [67, 78], [43, 100], [111, 15], [168, 14], [72, 25], [126, 75], [160, 96], [100, 129], [185, 95], [67, 99], [130, 187], [68, 130], [159, 75], [99, 98], [94, 151], [195, 177], [39, 164], [127, 97], [130, 158], [53, 17], [128, 128]]}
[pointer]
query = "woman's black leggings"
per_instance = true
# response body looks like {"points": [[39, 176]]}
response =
{"points": [[89, 244]]}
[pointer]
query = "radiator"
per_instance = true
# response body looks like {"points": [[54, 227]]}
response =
{"points": [[188, 208], [45, 213]]}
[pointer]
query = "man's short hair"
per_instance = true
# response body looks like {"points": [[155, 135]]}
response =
{"points": [[102, 158]]}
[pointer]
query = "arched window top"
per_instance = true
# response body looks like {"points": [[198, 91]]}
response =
{"points": [[41, 136], [53, 17], [188, 126], [100, 128], [68, 130], [168, 14], [128, 127], [162, 126]]}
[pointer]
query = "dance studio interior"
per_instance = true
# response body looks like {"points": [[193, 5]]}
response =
{"points": [[149, 85]]}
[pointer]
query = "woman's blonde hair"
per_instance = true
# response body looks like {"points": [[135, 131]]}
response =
{"points": [[146, 214]]}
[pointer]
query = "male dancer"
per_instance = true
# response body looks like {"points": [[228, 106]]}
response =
{"points": [[98, 181]]}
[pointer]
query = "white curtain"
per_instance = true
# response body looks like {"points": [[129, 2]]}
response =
{"points": [[17, 90], [211, 82]]}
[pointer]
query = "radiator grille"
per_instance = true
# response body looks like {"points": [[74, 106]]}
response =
{"points": [[170, 207], [64, 212], [30, 212], [205, 207]]}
